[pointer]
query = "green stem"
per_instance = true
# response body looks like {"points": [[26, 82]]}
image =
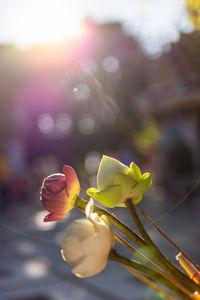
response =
{"points": [[81, 203], [149, 283], [156, 227], [149, 272], [157, 255], [150, 263]]}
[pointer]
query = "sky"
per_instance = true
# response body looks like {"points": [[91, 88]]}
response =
{"points": [[153, 22]]}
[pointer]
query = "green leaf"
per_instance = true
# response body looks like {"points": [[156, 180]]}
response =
{"points": [[109, 197]]}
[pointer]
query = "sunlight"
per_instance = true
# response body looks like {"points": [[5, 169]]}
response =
{"points": [[43, 22], [154, 23]]}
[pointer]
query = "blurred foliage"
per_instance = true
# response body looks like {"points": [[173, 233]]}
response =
{"points": [[194, 11], [146, 139]]}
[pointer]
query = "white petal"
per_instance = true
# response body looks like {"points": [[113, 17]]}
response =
{"points": [[82, 229], [100, 243], [71, 250], [95, 219], [89, 208], [103, 245], [89, 266], [88, 246]]}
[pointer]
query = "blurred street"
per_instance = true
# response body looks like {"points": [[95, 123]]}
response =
{"points": [[32, 268]]}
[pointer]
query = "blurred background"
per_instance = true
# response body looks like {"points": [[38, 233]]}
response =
{"points": [[78, 80]]}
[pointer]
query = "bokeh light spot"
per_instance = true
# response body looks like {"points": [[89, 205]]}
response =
{"points": [[81, 91], [35, 268], [45, 123], [63, 123], [110, 64], [92, 162], [87, 125]]}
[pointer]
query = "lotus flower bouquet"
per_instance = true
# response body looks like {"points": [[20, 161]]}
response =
{"points": [[89, 242]]}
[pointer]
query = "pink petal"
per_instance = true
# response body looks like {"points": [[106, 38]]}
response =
{"points": [[56, 187], [72, 182], [51, 217]]}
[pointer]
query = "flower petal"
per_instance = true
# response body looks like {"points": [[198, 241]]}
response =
{"points": [[58, 206], [52, 217], [109, 197], [56, 186], [89, 208], [126, 183], [137, 200], [89, 266], [134, 172], [59, 192], [71, 250], [72, 182], [142, 187], [83, 227], [107, 170]]}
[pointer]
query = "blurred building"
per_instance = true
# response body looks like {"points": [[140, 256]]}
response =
{"points": [[60, 102], [173, 99], [100, 93]]}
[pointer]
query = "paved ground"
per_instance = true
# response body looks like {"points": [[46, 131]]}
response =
{"points": [[31, 267]]}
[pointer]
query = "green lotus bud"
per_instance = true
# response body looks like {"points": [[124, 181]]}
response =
{"points": [[117, 182]]}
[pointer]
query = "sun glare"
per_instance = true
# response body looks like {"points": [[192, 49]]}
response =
{"points": [[46, 21]]}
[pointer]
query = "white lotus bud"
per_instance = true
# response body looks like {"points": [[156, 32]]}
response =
{"points": [[87, 244]]}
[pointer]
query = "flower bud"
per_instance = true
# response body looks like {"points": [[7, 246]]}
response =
{"points": [[87, 244], [117, 182], [59, 192]]}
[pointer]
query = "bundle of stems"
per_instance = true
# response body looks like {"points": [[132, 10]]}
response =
{"points": [[153, 268]]}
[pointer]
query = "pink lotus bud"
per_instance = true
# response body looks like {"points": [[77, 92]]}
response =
{"points": [[59, 193]]}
